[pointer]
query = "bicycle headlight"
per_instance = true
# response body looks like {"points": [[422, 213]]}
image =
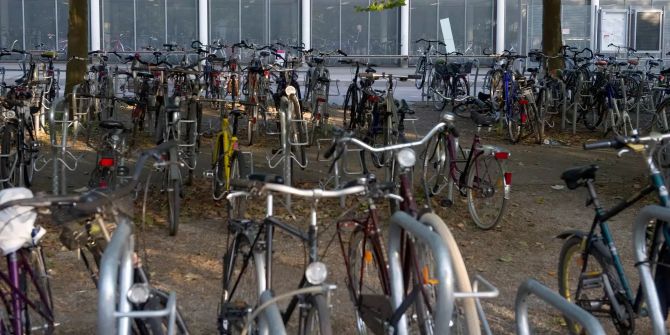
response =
{"points": [[138, 293], [290, 90], [406, 158], [8, 114], [316, 273]]}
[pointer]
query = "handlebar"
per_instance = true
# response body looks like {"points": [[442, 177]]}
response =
{"points": [[619, 142]]}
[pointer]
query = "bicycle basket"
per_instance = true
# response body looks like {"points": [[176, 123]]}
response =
{"points": [[466, 68], [441, 67]]}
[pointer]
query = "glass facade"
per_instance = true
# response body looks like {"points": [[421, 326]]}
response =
{"points": [[139, 24]]}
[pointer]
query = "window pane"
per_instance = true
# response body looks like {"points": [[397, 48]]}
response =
{"points": [[224, 24], [117, 25], [354, 28], [384, 32], [285, 21], [63, 19], [40, 24], [512, 25], [479, 26], [254, 21], [326, 24], [455, 11], [11, 24], [150, 23], [182, 16], [647, 31], [423, 21]]}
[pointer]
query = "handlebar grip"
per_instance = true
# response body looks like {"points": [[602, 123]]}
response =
{"points": [[600, 145], [342, 53], [94, 52]]}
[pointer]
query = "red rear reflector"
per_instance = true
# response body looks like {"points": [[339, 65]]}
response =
{"points": [[253, 120], [524, 117], [106, 162], [102, 184], [508, 178], [523, 102], [266, 73], [235, 146], [233, 66], [321, 99], [501, 155]]}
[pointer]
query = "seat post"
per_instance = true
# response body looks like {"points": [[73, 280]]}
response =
{"points": [[593, 196]]}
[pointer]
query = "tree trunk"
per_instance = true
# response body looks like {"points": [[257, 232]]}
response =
{"points": [[77, 46], [552, 40]]}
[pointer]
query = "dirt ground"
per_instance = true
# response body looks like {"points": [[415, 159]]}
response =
{"points": [[522, 246]]}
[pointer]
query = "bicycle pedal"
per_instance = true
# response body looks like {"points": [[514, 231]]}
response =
{"points": [[592, 280], [208, 174], [446, 202], [122, 171]]}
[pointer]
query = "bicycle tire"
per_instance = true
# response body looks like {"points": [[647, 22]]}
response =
{"points": [[593, 115], [9, 145], [29, 155], [535, 122], [173, 190], [515, 123], [438, 92], [318, 317], [436, 165], [574, 246], [365, 277], [238, 170], [461, 90], [38, 291], [482, 186], [234, 296], [349, 107], [661, 121], [464, 308], [421, 71], [251, 125]]}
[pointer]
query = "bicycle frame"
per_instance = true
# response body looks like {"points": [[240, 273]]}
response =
{"points": [[17, 262], [226, 144]]}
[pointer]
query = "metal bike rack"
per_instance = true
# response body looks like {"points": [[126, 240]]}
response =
{"points": [[116, 278], [647, 214], [63, 134], [568, 309], [285, 154], [445, 279]]}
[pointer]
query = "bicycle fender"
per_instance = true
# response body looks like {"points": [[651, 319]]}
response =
{"points": [[570, 233]]}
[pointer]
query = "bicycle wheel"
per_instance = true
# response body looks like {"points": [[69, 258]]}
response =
{"points": [[461, 89], [661, 122], [438, 92], [238, 170], [420, 70], [436, 165], [535, 122], [173, 191], [593, 115], [251, 125], [464, 317], [240, 285], [486, 191], [592, 296], [515, 122], [29, 155], [365, 280], [8, 156], [349, 108], [495, 91], [318, 316], [34, 283]]}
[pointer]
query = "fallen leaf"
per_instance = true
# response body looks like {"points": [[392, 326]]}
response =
{"points": [[505, 259], [557, 187]]}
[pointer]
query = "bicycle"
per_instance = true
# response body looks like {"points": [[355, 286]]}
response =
{"points": [[317, 87], [417, 285], [27, 300], [18, 148], [424, 67], [124, 291], [449, 81], [590, 273], [352, 102], [247, 270], [478, 173]]}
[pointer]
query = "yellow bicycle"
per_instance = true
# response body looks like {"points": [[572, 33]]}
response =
{"points": [[228, 162]]}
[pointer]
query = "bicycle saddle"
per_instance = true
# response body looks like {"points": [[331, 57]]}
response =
{"points": [[532, 70], [265, 53], [111, 124], [236, 112], [481, 119], [266, 178], [572, 177], [143, 74], [317, 60], [665, 72], [370, 70]]}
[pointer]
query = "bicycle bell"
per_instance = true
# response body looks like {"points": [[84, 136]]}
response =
{"points": [[447, 117]]}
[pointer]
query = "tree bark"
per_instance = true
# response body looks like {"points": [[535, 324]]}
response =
{"points": [[77, 46], [552, 39]]}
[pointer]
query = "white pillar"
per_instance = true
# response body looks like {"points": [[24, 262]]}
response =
{"points": [[306, 21], [594, 24], [203, 22], [500, 26], [94, 25], [404, 29]]}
